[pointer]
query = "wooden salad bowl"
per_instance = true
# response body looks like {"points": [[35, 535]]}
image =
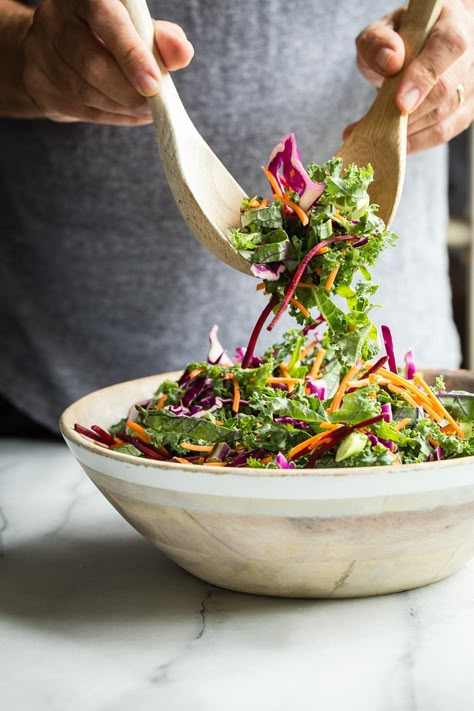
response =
{"points": [[295, 533]]}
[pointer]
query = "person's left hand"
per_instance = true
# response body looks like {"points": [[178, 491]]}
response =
{"points": [[437, 90]]}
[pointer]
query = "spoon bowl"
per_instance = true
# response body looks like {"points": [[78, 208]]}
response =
{"points": [[207, 195], [380, 138]]}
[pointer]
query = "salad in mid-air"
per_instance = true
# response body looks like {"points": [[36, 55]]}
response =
{"points": [[324, 396]]}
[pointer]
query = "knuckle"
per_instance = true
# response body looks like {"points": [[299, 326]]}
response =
{"points": [[440, 133], [129, 55], [455, 40], [442, 88]]}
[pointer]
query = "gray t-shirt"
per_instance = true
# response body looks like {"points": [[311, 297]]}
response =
{"points": [[101, 279]]}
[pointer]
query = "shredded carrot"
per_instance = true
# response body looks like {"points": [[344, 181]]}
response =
{"points": [[330, 425], [296, 208], [403, 423], [304, 285], [339, 394], [306, 351], [265, 460], [261, 286], [215, 464], [284, 381], [323, 250], [236, 399], [182, 460], [432, 441], [418, 395], [265, 202], [253, 202], [139, 431], [406, 396], [317, 363], [117, 443], [437, 405], [284, 370], [309, 443], [363, 382], [331, 278], [195, 372], [273, 182], [159, 403], [197, 447], [300, 306]]}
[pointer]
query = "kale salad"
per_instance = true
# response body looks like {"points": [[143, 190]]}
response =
{"points": [[325, 395]]}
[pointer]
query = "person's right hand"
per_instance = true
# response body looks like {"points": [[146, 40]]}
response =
{"points": [[84, 61]]}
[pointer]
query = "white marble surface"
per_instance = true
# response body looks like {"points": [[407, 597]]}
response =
{"points": [[94, 619]]}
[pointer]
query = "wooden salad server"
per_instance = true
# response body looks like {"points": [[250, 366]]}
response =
{"points": [[381, 136], [206, 193]]}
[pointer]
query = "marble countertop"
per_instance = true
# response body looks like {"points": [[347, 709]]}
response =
{"points": [[92, 618]]}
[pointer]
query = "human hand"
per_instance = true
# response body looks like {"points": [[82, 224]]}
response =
{"points": [[437, 88], [84, 61]]}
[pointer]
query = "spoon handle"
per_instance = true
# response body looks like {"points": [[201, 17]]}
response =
{"points": [[166, 102], [416, 26]]}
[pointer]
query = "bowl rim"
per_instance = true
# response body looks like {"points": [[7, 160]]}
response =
{"points": [[70, 435]]}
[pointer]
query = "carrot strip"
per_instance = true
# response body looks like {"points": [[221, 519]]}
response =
{"points": [[363, 382], [195, 372], [197, 447], [406, 396], [236, 399], [403, 423], [265, 202], [317, 363], [307, 350], [253, 202], [304, 285], [159, 403], [273, 182], [139, 431], [182, 460], [284, 370], [330, 280], [429, 402], [300, 306], [309, 443], [296, 208], [432, 441], [261, 286], [215, 464], [329, 425], [339, 394], [284, 381], [437, 406], [265, 460]]}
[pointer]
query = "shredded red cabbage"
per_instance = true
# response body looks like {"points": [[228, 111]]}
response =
{"points": [[286, 155]]}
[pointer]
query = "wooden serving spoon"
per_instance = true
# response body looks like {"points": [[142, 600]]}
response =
{"points": [[381, 136], [206, 193]]}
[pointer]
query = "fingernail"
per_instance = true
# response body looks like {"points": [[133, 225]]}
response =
{"points": [[147, 84], [410, 98], [383, 58]]}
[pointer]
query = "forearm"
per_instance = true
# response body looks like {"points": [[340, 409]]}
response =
{"points": [[15, 21]]}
